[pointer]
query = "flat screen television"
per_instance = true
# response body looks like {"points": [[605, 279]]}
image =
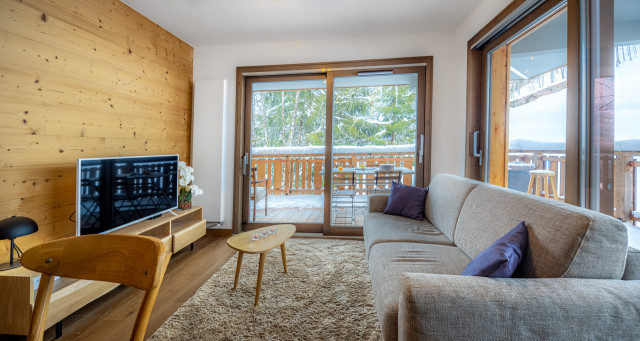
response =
{"points": [[116, 192]]}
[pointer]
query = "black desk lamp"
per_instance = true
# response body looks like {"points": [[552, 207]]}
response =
{"points": [[12, 228]]}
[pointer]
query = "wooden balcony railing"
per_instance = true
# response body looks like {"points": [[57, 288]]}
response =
{"points": [[627, 168], [300, 173], [628, 201]]}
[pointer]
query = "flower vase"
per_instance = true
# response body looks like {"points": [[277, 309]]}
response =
{"points": [[184, 199], [184, 205]]}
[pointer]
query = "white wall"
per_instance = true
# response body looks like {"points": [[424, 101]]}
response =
{"points": [[449, 85], [208, 146]]}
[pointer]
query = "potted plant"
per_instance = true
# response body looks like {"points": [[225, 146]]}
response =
{"points": [[187, 189]]}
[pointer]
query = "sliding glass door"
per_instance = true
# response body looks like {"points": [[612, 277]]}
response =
{"points": [[559, 106], [377, 139], [285, 155], [370, 124], [613, 110], [528, 110]]}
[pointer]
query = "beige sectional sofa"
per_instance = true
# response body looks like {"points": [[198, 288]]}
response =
{"points": [[578, 279]]}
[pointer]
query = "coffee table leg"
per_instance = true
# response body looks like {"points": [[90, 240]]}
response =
{"points": [[235, 282], [284, 257], [263, 256]]}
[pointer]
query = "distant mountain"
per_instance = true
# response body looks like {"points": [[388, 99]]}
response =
{"points": [[520, 144], [628, 145]]}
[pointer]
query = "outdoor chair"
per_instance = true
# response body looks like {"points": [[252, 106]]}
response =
{"points": [[258, 192], [343, 191], [384, 179]]}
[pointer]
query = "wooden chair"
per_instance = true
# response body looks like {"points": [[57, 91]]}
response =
{"points": [[135, 261], [385, 178], [253, 195]]}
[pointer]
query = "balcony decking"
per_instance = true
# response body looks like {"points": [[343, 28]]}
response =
{"points": [[339, 217]]}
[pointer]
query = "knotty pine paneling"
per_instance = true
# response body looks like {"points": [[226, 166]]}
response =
{"points": [[82, 79]]}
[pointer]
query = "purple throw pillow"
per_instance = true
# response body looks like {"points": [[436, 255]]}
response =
{"points": [[406, 201], [501, 259]]}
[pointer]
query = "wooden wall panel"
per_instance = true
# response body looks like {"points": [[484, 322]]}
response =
{"points": [[78, 79]]}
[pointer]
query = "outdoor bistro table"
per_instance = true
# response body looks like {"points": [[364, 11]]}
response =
{"points": [[368, 170]]}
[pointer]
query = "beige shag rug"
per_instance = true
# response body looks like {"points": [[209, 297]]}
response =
{"points": [[326, 295]]}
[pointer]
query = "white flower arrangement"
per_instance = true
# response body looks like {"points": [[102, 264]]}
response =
{"points": [[185, 180]]}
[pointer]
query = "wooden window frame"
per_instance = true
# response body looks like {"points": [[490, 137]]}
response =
{"points": [[517, 17], [243, 103]]}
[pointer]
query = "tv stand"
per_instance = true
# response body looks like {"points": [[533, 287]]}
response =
{"points": [[176, 230]]}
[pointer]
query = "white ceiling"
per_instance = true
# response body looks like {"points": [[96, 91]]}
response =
{"points": [[217, 22]]}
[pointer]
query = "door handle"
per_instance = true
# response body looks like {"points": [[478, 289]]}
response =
{"points": [[245, 162], [421, 153], [477, 152]]}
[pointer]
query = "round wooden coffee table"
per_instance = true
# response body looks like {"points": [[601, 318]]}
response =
{"points": [[243, 243]]}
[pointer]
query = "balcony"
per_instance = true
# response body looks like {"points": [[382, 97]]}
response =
{"points": [[296, 186], [625, 179]]}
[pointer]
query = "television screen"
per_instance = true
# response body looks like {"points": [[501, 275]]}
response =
{"points": [[115, 192]]}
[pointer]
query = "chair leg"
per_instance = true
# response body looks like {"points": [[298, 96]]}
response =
{"points": [[140, 326], [353, 209], [553, 187], [529, 190], [36, 331], [255, 203], [546, 186], [266, 197]]}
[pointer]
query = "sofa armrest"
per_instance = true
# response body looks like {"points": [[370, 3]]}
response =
{"points": [[377, 202], [448, 307]]}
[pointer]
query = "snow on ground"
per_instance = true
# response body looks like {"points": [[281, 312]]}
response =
{"points": [[634, 235], [401, 148]]}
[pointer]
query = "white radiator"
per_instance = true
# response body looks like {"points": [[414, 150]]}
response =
{"points": [[207, 145]]}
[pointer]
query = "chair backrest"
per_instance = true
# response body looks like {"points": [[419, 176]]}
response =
{"points": [[384, 178], [135, 261], [254, 170], [344, 179]]}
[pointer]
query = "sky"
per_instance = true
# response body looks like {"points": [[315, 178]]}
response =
{"points": [[545, 118]]}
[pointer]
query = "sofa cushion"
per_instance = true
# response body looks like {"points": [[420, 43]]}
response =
{"points": [[406, 201], [501, 258], [387, 263], [447, 193], [383, 228], [564, 240], [632, 268]]}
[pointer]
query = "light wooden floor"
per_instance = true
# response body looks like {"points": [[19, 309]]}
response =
{"points": [[339, 216], [111, 317]]}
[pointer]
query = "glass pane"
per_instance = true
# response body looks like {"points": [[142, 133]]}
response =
{"points": [[374, 123], [537, 109], [287, 151], [615, 111]]}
